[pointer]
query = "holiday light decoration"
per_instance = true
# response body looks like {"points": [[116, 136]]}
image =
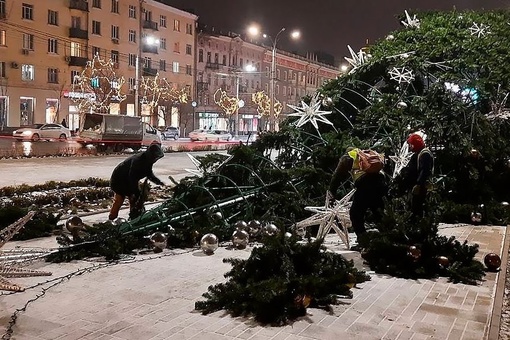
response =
{"points": [[200, 169], [401, 75], [404, 155], [263, 102], [153, 90], [310, 113], [226, 103], [357, 59], [480, 30], [411, 22], [99, 87]]}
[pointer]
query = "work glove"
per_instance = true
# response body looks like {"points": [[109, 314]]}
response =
{"points": [[417, 189]]}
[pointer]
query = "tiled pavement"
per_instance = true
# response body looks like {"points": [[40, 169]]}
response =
{"points": [[154, 299]]}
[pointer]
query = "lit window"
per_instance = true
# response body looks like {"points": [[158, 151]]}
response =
{"points": [[3, 38], [177, 25], [27, 72], [132, 36], [175, 67], [162, 21]]}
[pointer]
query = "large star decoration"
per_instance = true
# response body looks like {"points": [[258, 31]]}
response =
{"points": [[9, 268], [200, 170], [480, 30], [327, 217], [404, 155], [356, 59], [411, 22], [401, 75], [310, 113]]}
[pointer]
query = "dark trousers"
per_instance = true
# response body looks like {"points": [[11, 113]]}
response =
{"points": [[418, 202], [368, 196]]}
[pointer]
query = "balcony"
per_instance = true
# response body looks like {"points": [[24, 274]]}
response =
{"points": [[212, 66], [78, 33], [77, 61], [81, 5], [150, 25], [149, 49], [149, 72]]}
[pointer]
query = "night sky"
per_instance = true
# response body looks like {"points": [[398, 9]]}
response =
{"points": [[325, 25]]}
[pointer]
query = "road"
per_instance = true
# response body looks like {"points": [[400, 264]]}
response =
{"points": [[40, 170]]}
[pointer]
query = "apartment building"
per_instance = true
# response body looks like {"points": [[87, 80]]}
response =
{"points": [[45, 45], [232, 66]]}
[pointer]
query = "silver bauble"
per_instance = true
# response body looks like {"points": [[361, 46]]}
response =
{"points": [[241, 225], [401, 105], [476, 217], [254, 227], [504, 203], [287, 235], [74, 222], [240, 239], [209, 243], [270, 229], [390, 37], [119, 221], [217, 216], [327, 102], [158, 241]]}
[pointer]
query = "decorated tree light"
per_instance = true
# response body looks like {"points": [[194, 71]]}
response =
{"points": [[99, 85]]}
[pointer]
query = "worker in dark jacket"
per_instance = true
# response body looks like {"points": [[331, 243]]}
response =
{"points": [[370, 190], [126, 176], [418, 173]]}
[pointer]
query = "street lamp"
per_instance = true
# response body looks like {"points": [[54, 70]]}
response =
{"points": [[253, 30], [148, 41]]}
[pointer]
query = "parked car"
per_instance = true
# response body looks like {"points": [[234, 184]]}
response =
{"points": [[42, 131], [170, 132], [209, 135]]}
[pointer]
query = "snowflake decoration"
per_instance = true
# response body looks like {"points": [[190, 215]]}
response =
{"points": [[357, 59], [479, 30], [401, 75], [411, 22], [310, 113], [327, 217]]}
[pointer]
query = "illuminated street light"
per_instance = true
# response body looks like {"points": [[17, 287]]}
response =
{"points": [[294, 35], [148, 41]]}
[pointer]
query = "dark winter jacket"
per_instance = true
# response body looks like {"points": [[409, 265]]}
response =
{"points": [[128, 173], [419, 168]]}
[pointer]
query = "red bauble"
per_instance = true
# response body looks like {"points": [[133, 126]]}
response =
{"points": [[443, 261], [492, 261], [414, 253]]}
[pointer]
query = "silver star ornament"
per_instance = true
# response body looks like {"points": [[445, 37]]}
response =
{"points": [[310, 113]]}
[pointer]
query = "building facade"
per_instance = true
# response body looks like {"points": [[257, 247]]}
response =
{"points": [[45, 46], [230, 66]]}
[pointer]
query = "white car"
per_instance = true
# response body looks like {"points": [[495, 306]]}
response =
{"points": [[42, 131], [209, 135]]}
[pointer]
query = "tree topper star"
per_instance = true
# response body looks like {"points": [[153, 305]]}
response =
{"points": [[357, 59], [411, 22], [310, 113], [404, 155]]}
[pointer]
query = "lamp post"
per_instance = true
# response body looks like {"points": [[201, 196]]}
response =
{"points": [[148, 41]]}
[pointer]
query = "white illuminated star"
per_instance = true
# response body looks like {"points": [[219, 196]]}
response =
{"points": [[401, 75], [310, 113], [357, 59], [200, 170], [411, 22], [479, 30], [404, 155], [326, 217]]}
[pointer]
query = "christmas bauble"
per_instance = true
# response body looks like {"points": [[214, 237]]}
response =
{"points": [[327, 102], [209, 243], [414, 253], [240, 239], [401, 105], [288, 235], [474, 153], [504, 203], [254, 227], [492, 261], [241, 225], [158, 241], [74, 222], [476, 217], [119, 221], [270, 229], [443, 261], [217, 216]]}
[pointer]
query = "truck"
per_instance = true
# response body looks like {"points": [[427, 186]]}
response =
{"points": [[116, 132]]}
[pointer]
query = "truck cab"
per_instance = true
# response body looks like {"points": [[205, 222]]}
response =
{"points": [[150, 135]]}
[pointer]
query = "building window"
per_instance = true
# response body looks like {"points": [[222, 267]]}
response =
{"points": [[28, 42], [132, 36], [224, 61], [176, 47], [27, 72], [162, 65], [115, 32], [75, 75], [188, 70], [115, 6], [26, 105], [162, 43], [132, 11], [2, 8], [132, 83], [3, 38], [200, 55], [132, 59], [208, 57], [2, 69], [96, 3], [53, 75], [188, 49], [95, 51], [52, 46], [75, 22], [114, 56], [52, 17], [177, 25], [27, 12], [96, 27], [162, 21], [175, 67], [189, 29], [75, 49]]}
